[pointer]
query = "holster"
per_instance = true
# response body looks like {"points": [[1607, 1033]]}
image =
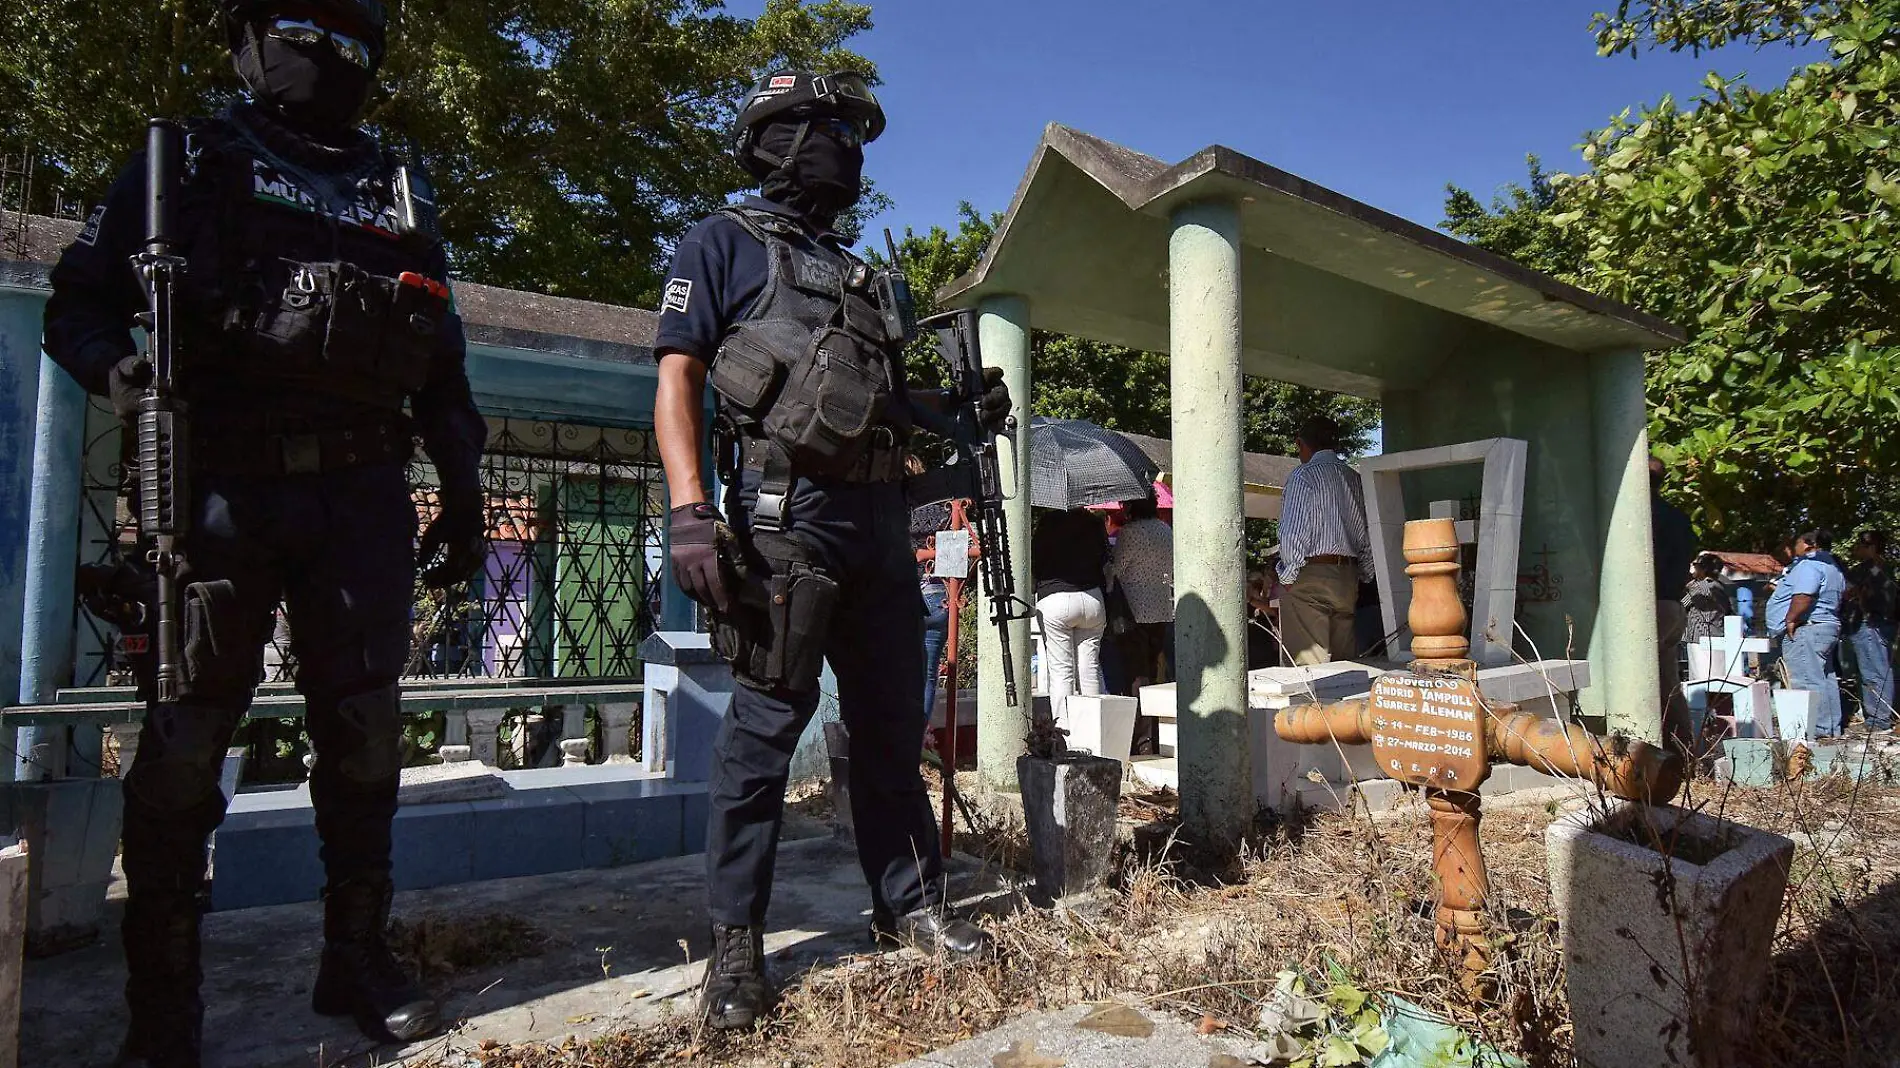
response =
{"points": [[774, 636]]}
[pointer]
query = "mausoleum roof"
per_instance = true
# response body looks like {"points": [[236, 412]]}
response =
{"points": [[1336, 293]]}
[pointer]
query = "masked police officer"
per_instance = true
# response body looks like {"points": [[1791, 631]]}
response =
{"points": [[314, 304], [813, 415]]}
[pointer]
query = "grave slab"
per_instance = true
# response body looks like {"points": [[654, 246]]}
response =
{"points": [[545, 820], [1054, 1038]]}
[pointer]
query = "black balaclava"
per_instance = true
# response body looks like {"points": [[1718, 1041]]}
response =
{"points": [[823, 178], [311, 87]]}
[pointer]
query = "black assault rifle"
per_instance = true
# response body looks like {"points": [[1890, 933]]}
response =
{"points": [[972, 473], [164, 495]]}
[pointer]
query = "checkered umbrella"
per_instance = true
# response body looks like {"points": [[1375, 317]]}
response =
{"points": [[1075, 464]]}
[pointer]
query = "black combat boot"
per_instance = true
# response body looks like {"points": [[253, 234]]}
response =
{"points": [[161, 987], [359, 976], [737, 994], [929, 928]]}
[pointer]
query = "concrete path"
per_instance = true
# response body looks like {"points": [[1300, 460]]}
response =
{"points": [[614, 959]]}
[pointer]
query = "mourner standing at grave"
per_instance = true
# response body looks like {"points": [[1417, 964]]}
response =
{"points": [[1142, 564], [1324, 551], [806, 361], [1805, 612], [1674, 539], [314, 304], [926, 522], [1707, 601], [1068, 553], [1872, 603]]}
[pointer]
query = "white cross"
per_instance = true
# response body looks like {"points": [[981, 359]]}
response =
{"points": [[1724, 657]]}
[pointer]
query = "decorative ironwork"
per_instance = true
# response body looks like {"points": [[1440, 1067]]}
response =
{"points": [[570, 587]]}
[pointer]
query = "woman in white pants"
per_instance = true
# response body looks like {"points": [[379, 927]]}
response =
{"points": [[1069, 554]]}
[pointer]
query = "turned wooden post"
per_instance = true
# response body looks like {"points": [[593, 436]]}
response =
{"points": [[1437, 616]]}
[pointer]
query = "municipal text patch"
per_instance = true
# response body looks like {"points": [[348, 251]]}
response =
{"points": [[679, 294]]}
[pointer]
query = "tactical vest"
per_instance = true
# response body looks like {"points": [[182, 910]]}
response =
{"points": [[810, 373], [279, 290]]}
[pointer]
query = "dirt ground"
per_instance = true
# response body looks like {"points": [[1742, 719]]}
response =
{"points": [[1340, 894]]}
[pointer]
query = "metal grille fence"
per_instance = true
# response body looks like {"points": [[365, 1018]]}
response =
{"points": [[569, 589]]}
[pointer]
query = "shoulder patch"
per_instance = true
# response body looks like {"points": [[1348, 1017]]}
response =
{"points": [[679, 295], [89, 235]]}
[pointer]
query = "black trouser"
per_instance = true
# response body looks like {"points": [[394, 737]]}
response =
{"points": [[338, 549], [861, 531]]}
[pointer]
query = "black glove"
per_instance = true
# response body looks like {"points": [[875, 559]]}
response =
{"points": [[994, 407], [693, 545], [125, 384], [454, 546]]}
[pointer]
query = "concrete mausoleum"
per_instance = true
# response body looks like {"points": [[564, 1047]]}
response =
{"points": [[1234, 268]]}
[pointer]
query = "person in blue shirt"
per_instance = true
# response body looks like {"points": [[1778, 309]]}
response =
{"points": [[1805, 614]]}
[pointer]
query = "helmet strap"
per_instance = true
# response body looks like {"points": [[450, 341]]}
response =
{"points": [[798, 142]]}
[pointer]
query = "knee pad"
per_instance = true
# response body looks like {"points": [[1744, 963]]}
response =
{"points": [[181, 756], [370, 730]]}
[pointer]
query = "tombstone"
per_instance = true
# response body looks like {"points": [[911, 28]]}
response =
{"points": [[1719, 685], [1725, 657], [1795, 714]]}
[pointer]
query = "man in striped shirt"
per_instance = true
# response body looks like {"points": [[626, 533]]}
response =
{"points": [[1324, 550]]}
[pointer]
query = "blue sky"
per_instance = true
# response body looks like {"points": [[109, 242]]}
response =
{"points": [[1382, 100]]}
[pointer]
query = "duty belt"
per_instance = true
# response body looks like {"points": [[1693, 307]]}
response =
{"points": [[295, 447], [882, 462]]}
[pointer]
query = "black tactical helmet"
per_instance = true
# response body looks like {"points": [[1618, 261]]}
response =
{"points": [[801, 94], [367, 17]]}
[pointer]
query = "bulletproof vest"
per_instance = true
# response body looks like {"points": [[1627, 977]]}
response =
{"points": [[281, 291], [812, 369]]}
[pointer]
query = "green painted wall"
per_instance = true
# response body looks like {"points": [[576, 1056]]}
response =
{"points": [[1506, 386]]}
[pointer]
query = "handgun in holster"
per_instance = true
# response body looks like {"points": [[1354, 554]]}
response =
{"points": [[775, 634]]}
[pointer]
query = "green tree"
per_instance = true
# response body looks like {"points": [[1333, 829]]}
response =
{"points": [[1764, 222], [571, 141]]}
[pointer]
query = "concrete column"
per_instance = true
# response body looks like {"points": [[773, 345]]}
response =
{"points": [[52, 549], [1210, 568], [1623, 645], [21, 311], [1002, 731]]}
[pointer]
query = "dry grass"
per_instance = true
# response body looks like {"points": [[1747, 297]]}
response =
{"points": [[436, 946], [1343, 890]]}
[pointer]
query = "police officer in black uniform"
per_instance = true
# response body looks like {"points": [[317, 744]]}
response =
{"points": [[813, 416], [313, 305]]}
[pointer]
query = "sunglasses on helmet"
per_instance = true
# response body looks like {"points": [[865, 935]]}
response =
{"points": [[307, 33], [848, 132]]}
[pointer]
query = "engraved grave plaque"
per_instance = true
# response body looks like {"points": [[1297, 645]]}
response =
{"points": [[1428, 730]]}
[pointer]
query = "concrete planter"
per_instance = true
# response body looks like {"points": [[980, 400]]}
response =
{"points": [[13, 876], [1666, 955], [1069, 804], [71, 830]]}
